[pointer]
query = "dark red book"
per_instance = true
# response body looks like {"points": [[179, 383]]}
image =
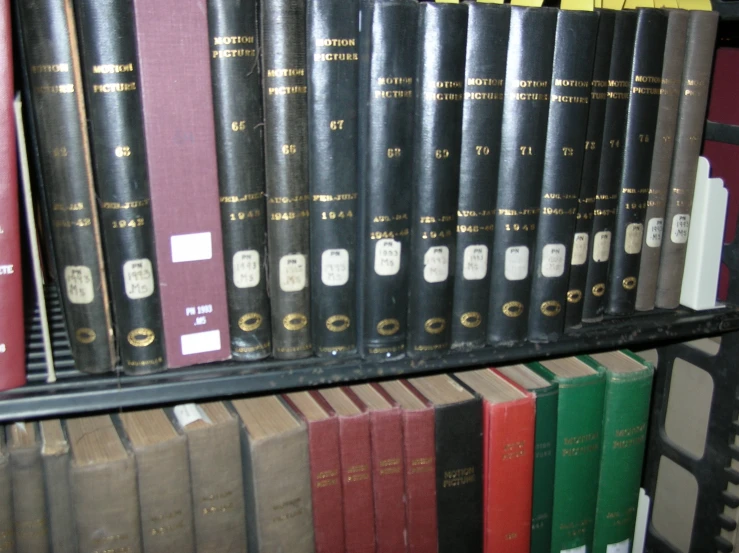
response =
{"points": [[419, 457], [12, 344], [723, 107], [177, 99], [509, 414], [356, 471], [388, 476], [325, 470]]}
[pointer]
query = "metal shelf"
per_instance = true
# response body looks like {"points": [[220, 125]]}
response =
{"points": [[76, 393]]}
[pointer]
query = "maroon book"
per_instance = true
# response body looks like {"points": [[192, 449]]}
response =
{"points": [[388, 476], [419, 459], [174, 65], [12, 344], [356, 473], [325, 469]]}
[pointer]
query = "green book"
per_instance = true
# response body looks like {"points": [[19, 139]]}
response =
{"points": [[545, 436], [577, 449], [625, 421]]}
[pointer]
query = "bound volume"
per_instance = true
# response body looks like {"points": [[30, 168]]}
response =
{"points": [[609, 172], [482, 111], [237, 106], [523, 142], [286, 160], [108, 49], [646, 79], [49, 37], [701, 39], [574, 50], [590, 165], [442, 32], [183, 176], [333, 78], [672, 71], [387, 76]]}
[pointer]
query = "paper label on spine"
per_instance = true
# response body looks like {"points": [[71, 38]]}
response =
{"points": [[654, 232], [602, 246], [246, 273], [293, 275], [200, 342], [138, 278], [78, 279], [680, 228], [516, 263], [581, 549], [189, 413], [580, 248], [620, 547], [335, 267], [436, 264], [191, 247], [475, 263], [387, 257], [634, 237], [553, 260]]}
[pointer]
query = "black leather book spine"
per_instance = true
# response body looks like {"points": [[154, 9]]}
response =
{"points": [[523, 142], [590, 165], [50, 40], [459, 478], [572, 72], [387, 77], [333, 80], [442, 32], [286, 161], [609, 171], [482, 112], [646, 86], [108, 51], [237, 106]]}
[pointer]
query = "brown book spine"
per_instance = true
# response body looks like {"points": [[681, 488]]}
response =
{"points": [[7, 534], [701, 40], [164, 497], [174, 75], [63, 537], [29, 503], [277, 490], [217, 488], [672, 72], [106, 506]]}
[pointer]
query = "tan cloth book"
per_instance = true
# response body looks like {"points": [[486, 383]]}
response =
{"points": [[55, 458]]}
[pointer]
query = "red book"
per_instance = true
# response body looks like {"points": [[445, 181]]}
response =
{"points": [[388, 476], [356, 473], [174, 66], [509, 414], [325, 470], [12, 340], [419, 456]]}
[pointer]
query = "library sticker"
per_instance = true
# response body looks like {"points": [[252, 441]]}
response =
{"points": [[387, 257], [680, 227], [78, 279], [246, 273], [138, 278], [335, 267], [292, 272], [475, 263], [580, 248], [436, 264], [516, 263]]}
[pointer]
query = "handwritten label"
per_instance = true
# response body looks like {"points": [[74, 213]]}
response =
{"points": [[188, 413], [79, 284], [436, 264], [655, 227], [292, 272], [553, 260], [335, 267], [580, 248], [620, 547], [516, 263], [246, 273], [475, 264], [634, 237], [680, 228], [387, 257], [602, 246], [138, 278]]}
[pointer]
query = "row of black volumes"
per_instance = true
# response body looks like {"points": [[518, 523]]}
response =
{"points": [[427, 176]]}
